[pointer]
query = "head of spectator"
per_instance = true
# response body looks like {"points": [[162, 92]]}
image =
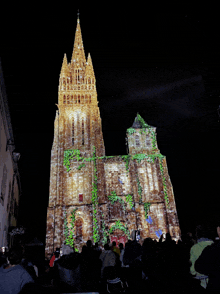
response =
{"points": [[89, 244], [113, 244], [106, 246], [15, 255], [121, 246], [205, 230], [66, 250]]}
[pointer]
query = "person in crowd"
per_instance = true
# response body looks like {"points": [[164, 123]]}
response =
{"points": [[132, 251], [122, 250], [115, 248], [114, 283], [28, 264], [90, 267], [67, 273], [55, 256], [203, 241], [97, 248], [13, 276], [3, 259], [208, 263], [108, 258]]}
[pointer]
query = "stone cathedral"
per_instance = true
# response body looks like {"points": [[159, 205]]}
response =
{"points": [[98, 197]]}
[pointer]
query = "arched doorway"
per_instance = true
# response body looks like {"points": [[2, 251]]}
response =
{"points": [[79, 229], [119, 237]]}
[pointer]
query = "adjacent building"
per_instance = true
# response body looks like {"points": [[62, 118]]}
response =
{"points": [[9, 175]]}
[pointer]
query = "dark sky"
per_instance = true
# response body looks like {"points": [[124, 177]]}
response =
{"points": [[161, 61]]}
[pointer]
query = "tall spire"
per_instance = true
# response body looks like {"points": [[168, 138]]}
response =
{"points": [[64, 65], [89, 73], [78, 57]]}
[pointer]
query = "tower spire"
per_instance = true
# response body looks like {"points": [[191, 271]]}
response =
{"points": [[78, 57]]}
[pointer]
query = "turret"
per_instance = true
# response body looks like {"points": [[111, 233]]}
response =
{"points": [[141, 137]]}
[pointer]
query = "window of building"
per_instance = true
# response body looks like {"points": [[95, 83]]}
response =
{"points": [[148, 141], [80, 197], [137, 140]]}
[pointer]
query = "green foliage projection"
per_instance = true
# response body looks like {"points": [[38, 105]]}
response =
{"points": [[129, 199], [69, 233], [104, 232], [96, 236], [74, 154], [120, 226], [146, 209], [113, 198]]}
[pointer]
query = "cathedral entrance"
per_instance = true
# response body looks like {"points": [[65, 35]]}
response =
{"points": [[119, 237]]}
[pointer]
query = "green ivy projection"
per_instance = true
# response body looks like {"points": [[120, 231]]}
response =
{"points": [[74, 154]]}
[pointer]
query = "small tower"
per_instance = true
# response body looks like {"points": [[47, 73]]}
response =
{"points": [[141, 137]]}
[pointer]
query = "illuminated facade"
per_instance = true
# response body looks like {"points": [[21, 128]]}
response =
{"points": [[93, 196]]}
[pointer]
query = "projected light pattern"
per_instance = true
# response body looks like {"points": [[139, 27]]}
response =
{"points": [[79, 208]]}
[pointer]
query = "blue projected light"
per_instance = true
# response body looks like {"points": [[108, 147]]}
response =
{"points": [[120, 181], [158, 233], [149, 220]]}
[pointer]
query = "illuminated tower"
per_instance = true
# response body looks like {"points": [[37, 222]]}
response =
{"points": [[93, 196], [77, 126]]}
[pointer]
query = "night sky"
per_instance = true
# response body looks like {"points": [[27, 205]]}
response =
{"points": [[162, 62]]}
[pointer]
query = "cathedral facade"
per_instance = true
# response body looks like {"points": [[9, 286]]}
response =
{"points": [[98, 197]]}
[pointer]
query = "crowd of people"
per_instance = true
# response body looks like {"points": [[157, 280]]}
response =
{"points": [[138, 267]]}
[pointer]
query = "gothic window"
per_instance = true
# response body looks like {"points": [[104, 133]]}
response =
{"points": [[85, 98], [71, 99], [75, 99], [148, 142], [68, 99], [78, 98], [137, 140], [64, 84], [64, 99], [89, 98], [73, 131], [83, 139], [78, 229]]}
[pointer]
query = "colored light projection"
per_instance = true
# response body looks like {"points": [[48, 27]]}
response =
{"points": [[98, 197]]}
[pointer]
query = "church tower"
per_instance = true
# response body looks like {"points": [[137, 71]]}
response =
{"points": [[77, 126], [93, 196]]}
